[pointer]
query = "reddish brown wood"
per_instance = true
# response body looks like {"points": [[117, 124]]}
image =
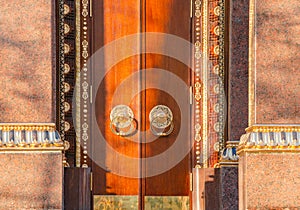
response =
{"points": [[77, 191], [111, 21], [169, 17]]}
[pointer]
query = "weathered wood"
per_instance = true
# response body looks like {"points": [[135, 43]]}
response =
{"points": [[77, 191]]}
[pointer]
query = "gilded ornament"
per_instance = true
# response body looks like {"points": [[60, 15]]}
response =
{"points": [[85, 54], [197, 85], [66, 145], [66, 28], [85, 12], [198, 55], [66, 48], [198, 3], [217, 11], [198, 97], [217, 30], [66, 9], [66, 68], [216, 147], [217, 108], [217, 50], [197, 137], [67, 126], [217, 88], [216, 69], [67, 87], [197, 127], [217, 127], [67, 106]]}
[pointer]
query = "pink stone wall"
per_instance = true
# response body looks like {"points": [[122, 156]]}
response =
{"points": [[277, 93], [31, 180], [269, 181], [26, 61]]}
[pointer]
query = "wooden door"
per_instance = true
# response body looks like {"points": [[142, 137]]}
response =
{"points": [[135, 65]]}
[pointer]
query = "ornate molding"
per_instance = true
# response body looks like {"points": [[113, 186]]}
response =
{"points": [[85, 83], [209, 109], [220, 31], [273, 128], [251, 62], [270, 138], [205, 58], [229, 156], [77, 88], [197, 83], [62, 9], [30, 136]]}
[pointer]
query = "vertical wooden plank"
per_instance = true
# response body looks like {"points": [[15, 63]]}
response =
{"points": [[172, 18], [77, 191], [112, 21]]}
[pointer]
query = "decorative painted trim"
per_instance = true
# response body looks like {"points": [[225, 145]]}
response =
{"points": [[273, 128], [27, 126], [229, 156], [270, 138], [197, 83], [29, 135], [251, 71], [209, 109], [77, 87], [85, 83], [61, 70], [205, 58], [116, 202], [167, 202], [221, 74]]}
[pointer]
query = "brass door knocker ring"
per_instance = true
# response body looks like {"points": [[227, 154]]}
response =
{"points": [[161, 117], [122, 122]]}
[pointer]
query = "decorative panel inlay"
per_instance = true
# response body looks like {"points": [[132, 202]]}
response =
{"points": [[271, 138], [85, 84], [70, 74], [167, 202], [209, 94], [115, 202]]}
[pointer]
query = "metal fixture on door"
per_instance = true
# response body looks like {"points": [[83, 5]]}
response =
{"points": [[161, 117], [122, 122]]}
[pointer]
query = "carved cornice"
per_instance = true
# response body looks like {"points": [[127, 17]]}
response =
{"points": [[229, 155], [30, 136], [273, 128], [271, 138]]}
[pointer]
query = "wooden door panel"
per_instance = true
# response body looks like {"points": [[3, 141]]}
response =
{"points": [[169, 17], [113, 20]]}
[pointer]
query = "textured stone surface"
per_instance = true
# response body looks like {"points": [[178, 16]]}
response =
{"points": [[31, 180], [277, 54], [229, 188], [209, 188], [238, 68], [26, 65], [269, 181]]}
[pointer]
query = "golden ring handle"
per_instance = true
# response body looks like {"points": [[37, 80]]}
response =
{"points": [[154, 131], [122, 122], [119, 131], [161, 117]]}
